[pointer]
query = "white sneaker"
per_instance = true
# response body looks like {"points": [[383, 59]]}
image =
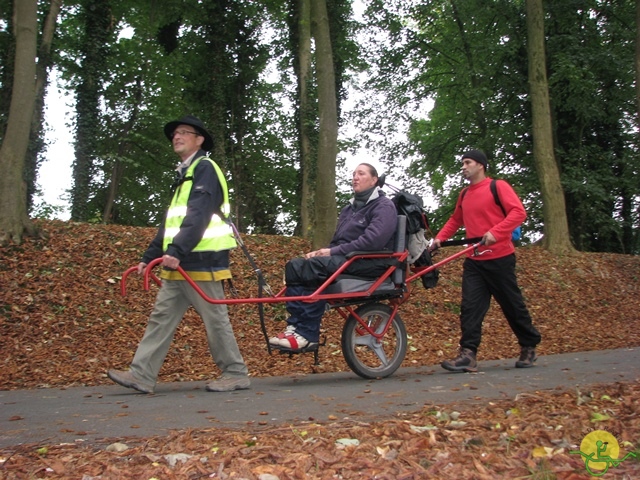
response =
{"points": [[294, 341], [290, 330]]}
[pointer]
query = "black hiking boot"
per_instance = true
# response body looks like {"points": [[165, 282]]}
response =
{"points": [[527, 357], [465, 362]]}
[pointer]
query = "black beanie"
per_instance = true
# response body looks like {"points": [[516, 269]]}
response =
{"points": [[478, 156]]}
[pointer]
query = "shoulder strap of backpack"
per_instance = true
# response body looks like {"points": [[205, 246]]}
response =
{"points": [[496, 198], [494, 191], [462, 194]]}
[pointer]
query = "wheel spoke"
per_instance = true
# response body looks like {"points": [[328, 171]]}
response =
{"points": [[366, 340], [379, 351]]}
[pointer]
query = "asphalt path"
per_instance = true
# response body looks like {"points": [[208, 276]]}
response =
{"points": [[109, 412]]}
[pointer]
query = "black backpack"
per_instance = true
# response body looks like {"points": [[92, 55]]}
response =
{"points": [[412, 207]]}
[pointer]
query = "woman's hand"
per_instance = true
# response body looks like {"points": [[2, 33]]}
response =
{"points": [[323, 252]]}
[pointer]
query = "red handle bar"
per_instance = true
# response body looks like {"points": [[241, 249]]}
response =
{"points": [[444, 261]]}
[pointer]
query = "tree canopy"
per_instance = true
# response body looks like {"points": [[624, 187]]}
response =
{"points": [[432, 78]]}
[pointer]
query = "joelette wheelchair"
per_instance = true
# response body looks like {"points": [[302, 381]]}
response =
{"points": [[374, 337]]}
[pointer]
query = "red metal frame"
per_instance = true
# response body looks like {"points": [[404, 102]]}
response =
{"points": [[378, 336], [418, 272], [318, 293]]}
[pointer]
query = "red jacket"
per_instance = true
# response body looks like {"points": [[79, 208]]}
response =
{"points": [[478, 212]]}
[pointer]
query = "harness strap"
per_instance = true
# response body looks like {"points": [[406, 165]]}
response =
{"points": [[263, 286]]}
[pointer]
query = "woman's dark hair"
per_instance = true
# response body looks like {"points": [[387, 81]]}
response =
{"points": [[372, 169]]}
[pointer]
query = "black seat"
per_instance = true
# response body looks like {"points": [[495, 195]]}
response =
{"points": [[350, 283]]}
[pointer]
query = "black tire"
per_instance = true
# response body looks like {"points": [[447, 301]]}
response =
{"points": [[366, 356]]}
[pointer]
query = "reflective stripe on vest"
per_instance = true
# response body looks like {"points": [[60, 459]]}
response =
{"points": [[218, 235]]}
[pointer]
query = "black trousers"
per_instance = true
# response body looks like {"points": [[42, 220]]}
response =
{"points": [[314, 271], [482, 279], [304, 276]]}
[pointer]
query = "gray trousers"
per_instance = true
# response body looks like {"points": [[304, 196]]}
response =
{"points": [[172, 302]]}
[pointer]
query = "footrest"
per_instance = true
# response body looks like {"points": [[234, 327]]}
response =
{"points": [[311, 347]]}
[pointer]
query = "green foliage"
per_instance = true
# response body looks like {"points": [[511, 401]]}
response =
{"points": [[346, 51], [7, 53], [469, 59], [96, 34], [444, 76], [46, 211], [592, 86], [245, 111], [163, 61]]}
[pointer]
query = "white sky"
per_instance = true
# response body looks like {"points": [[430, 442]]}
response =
{"points": [[54, 177]]}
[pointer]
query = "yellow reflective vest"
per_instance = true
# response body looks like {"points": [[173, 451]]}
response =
{"points": [[219, 234]]}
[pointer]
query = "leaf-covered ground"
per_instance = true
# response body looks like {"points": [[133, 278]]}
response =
{"points": [[63, 322]]}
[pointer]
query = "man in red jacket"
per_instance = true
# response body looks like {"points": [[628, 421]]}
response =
{"points": [[492, 272]]}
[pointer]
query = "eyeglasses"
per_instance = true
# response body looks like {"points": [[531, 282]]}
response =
{"points": [[182, 133]]}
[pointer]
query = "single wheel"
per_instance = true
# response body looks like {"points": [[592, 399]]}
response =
{"points": [[366, 355]]}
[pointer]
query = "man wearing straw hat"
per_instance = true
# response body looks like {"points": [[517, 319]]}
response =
{"points": [[195, 237]]}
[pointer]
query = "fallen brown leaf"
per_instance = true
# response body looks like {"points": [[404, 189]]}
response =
{"points": [[63, 323]]}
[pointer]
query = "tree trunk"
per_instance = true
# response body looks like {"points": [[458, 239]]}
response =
{"points": [[556, 230], [325, 198], [108, 215], [13, 214], [305, 113], [98, 25]]}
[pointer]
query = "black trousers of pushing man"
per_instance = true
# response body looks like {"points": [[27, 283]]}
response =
{"points": [[482, 279]]}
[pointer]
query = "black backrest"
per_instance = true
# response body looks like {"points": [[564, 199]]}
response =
{"points": [[400, 245]]}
